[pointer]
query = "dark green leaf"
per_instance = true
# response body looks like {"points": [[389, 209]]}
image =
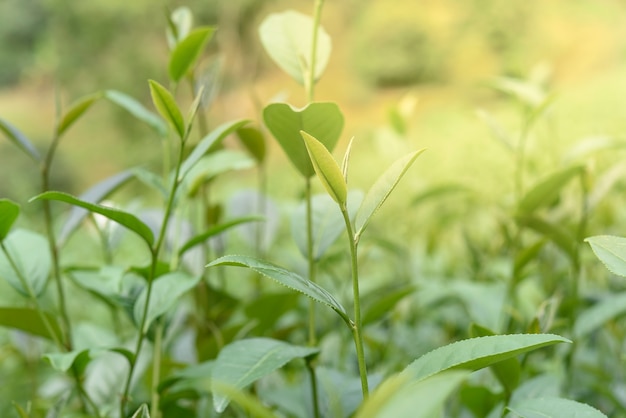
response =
{"points": [[9, 212], [167, 107], [20, 140], [327, 169], [545, 192], [187, 52], [31, 277], [123, 218], [243, 362], [323, 121], [525, 256], [384, 303], [200, 238], [28, 320], [250, 403], [252, 138], [611, 251], [136, 109], [76, 111]]}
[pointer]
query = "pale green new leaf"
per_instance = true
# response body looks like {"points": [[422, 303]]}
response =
{"points": [[9, 212], [554, 408], [187, 52], [136, 109], [477, 353], [30, 254], [381, 190], [345, 163], [123, 218], [546, 191], [167, 107], [326, 169], [288, 39], [20, 140], [400, 397], [611, 250], [63, 361], [245, 361], [76, 111], [179, 24], [603, 311], [28, 320], [285, 278], [166, 291]]}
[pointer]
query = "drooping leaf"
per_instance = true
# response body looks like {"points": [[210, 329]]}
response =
{"points": [[138, 110], [555, 233], [187, 52], [288, 39], [23, 248], [28, 320], [252, 138], [611, 250], [20, 140], [243, 362], [167, 107], [507, 371], [327, 169], [285, 278], [76, 111], [322, 120], [200, 238], [398, 396], [603, 311], [123, 218], [206, 144], [554, 408], [9, 211], [477, 353], [546, 191], [94, 195], [166, 290], [382, 188]]}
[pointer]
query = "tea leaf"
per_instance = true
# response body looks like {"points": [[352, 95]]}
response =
{"points": [[200, 238], [142, 412], [187, 52], [252, 405], [94, 195], [214, 164], [166, 291], [179, 22], [76, 111], [245, 361], [322, 120], [123, 218], [28, 320], [167, 107], [31, 277], [603, 311], [288, 39], [381, 190], [64, 361], [9, 212], [477, 353], [384, 303], [611, 251], [252, 138], [553, 408], [285, 278], [506, 371], [326, 169], [545, 192], [136, 109], [20, 140]]}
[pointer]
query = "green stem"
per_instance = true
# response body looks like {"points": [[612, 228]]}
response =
{"points": [[357, 326], [310, 81], [313, 378], [156, 370], [310, 258]]}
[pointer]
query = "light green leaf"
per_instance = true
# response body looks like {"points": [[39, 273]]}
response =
{"points": [[253, 139], [399, 397], [288, 39], [94, 195], [62, 362], [381, 190], [30, 254], [525, 91], [167, 107], [179, 22], [166, 290], [245, 361], [546, 191], [142, 412], [285, 278], [136, 109], [603, 311], [507, 371], [327, 169], [497, 130], [323, 121], [214, 164], [187, 52], [611, 250], [384, 302], [123, 218], [9, 212], [28, 320], [217, 229], [477, 353], [249, 402], [151, 179], [207, 143], [20, 411], [76, 111], [345, 163], [554, 408], [20, 140]]}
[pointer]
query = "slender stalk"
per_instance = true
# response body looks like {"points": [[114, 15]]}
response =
{"points": [[310, 258], [310, 81], [156, 370], [313, 378], [357, 326]]}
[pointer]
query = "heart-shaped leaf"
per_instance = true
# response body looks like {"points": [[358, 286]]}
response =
{"points": [[322, 120], [187, 52], [327, 169], [136, 109], [20, 140], [9, 211], [611, 251], [167, 107], [288, 39], [245, 361], [19, 268]]}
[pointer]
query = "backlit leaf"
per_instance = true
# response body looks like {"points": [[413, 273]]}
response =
{"points": [[327, 169], [76, 111], [20, 140], [167, 107], [9, 211], [546, 191], [611, 250], [187, 52]]}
